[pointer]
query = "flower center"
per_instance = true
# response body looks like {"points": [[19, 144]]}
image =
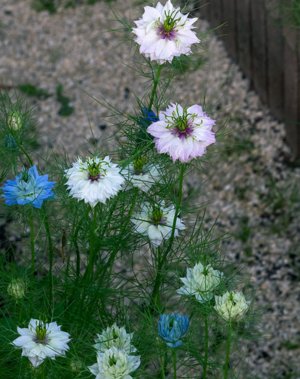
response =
{"points": [[167, 30], [25, 176], [138, 165], [112, 361], [115, 334], [231, 299], [171, 324], [157, 217], [94, 169], [182, 125], [41, 334]]}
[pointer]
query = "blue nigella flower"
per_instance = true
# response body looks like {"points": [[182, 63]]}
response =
{"points": [[148, 117], [172, 327], [28, 188]]}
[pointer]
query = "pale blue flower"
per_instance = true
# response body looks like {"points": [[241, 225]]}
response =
{"points": [[28, 188], [172, 327]]}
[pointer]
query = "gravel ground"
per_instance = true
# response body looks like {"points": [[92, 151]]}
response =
{"points": [[252, 188]]}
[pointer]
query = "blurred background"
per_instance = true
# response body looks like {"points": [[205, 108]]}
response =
{"points": [[60, 54]]}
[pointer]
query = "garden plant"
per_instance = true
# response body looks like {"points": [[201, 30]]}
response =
{"points": [[120, 277]]}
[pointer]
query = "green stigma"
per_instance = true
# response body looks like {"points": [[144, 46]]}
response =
{"points": [[25, 176], [112, 361], [170, 22], [157, 216], [138, 165], [41, 333], [115, 334], [231, 298], [94, 169]]}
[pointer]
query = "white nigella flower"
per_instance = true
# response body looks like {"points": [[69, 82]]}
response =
{"points": [[114, 364], [114, 337], [94, 180], [155, 222], [231, 305], [42, 340], [164, 33], [141, 175], [200, 281]]}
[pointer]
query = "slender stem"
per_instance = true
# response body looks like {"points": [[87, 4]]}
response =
{"points": [[26, 154], [32, 242], [155, 296], [163, 366], [228, 348], [92, 246], [50, 252], [174, 364], [156, 78], [206, 340]]}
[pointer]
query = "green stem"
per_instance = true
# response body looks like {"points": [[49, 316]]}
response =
{"points": [[156, 78], [206, 340], [174, 364], [163, 366], [228, 348], [32, 242], [92, 247], [50, 253], [162, 259]]}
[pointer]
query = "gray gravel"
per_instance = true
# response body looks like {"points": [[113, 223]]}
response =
{"points": [[250, 186]]}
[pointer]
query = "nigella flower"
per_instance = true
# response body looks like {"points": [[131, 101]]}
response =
{"points": [[183, 133], [172, 327], [42, 340], [94, 180], [116, 337], [114, 364], [148, 117], [164, 33], [141, 174], [28, 188], [231, 305], [156, 222], [200, 281]]}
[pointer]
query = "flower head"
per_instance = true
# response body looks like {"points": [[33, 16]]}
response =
{"points": [[156, 221], [183, 133], [172, 327], [148, 117], [200, 281], [94, 180], [28, 188], [42, 340], [17, 289], [114, 364], [164, 33], [231, 305], [114, 337], [141, 174]]}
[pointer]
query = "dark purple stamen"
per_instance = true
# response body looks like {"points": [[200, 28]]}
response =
{"points": [[182, 134], [164, 34], [94, 178]]}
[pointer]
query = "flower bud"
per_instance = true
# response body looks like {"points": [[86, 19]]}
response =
{"points": [[17, 289], [14, 120]]}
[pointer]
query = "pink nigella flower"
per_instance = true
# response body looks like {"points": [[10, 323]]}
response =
{"points": [[183, 133], [164, 32]]}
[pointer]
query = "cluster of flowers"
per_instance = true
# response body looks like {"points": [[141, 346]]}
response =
{"points": [[183, 133], [115, 359]]}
